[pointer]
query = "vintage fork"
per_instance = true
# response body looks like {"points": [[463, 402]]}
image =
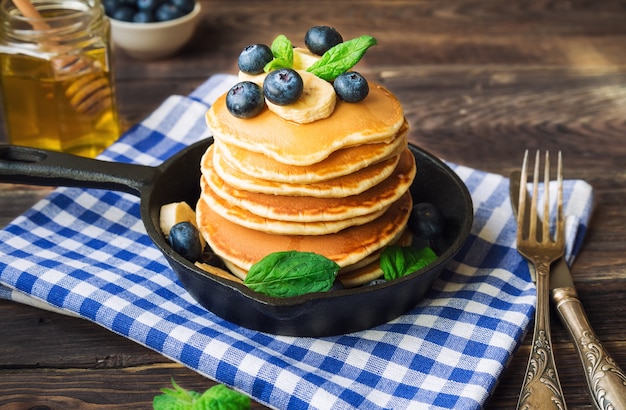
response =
{"points": [[541, 388]]}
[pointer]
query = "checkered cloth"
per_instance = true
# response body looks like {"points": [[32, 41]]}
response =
{"points": [[85, 252]]}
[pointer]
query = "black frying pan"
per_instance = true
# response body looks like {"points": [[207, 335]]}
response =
{"points": [[315, 315]]}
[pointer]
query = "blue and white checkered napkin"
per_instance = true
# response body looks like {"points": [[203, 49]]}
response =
{"points": [[85, 252]]}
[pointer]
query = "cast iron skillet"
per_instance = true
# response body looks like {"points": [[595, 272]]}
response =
{"points": [[315, 315]]}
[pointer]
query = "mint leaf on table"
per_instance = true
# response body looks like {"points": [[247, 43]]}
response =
{"points": [[398, 261], [176, 399], [291, 273], [282, 50], [218, 397], [341, 57]]}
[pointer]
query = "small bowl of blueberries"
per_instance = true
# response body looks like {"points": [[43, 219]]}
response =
{"points": [[152, 29]]}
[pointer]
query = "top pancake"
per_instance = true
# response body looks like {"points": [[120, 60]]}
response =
{"points": [[376, 119]]}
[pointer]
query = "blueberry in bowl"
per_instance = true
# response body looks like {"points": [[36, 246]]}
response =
{"points": [[152, 29]]}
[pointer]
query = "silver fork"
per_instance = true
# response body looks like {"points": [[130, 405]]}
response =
{"points": [[541, 388]]}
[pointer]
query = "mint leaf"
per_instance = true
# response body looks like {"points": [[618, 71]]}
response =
{"points": [[220, 397], [276, 64], [291, 273], [341, 57], [164, 402], [398, 261], [282, 49], [177, 399]]}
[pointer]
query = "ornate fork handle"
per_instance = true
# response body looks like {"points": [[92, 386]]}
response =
{"points": [[541, 388], [606, 381]]}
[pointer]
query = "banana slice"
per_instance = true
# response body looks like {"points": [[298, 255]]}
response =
{"points": [[316, 102], [255, 78], [303, 58], [218, 272], [176, 212]]}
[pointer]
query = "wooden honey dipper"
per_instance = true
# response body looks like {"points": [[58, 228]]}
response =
{"points": [[90, 94]]}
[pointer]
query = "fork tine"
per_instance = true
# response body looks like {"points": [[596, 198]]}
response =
{"points": [[560, 224], [546, 199], [532, 230], [521, 211]]}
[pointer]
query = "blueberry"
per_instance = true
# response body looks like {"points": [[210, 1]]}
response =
{"points": [[283, 86], [319, 39], [245, 100], [110, 6], [123, 13], [253, 58], [167, 11], [185, 5], [351, 87], [185, 240], [150, 5], [143, 16], [426, 221]]}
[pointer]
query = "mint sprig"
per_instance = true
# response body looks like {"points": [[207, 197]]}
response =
{"points": [[399, 261], [335, 61], [291, 273], [282, 49], [217, 397], [341, 57]]}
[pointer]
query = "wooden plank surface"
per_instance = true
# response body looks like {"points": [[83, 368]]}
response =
{"points": [[480, 81]]}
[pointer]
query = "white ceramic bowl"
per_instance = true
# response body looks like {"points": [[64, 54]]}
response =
{"points": [[149, 41]]}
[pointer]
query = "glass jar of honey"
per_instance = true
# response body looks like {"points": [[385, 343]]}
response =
{"points": [[56, 75]]}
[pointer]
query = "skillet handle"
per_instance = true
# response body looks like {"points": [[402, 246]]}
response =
{"points": [[32, 166]]}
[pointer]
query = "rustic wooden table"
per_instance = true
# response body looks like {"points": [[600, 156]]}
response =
{"points": [[480, 82]]}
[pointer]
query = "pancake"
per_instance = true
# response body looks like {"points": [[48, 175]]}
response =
{"points": [[244, 217], [342, 162], [236, 270], [352, 184], [362, 272], [376, 119], [315, 209], [243, 246]]}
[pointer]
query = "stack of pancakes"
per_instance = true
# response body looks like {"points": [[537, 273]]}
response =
{"points": [[337, 186]]}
